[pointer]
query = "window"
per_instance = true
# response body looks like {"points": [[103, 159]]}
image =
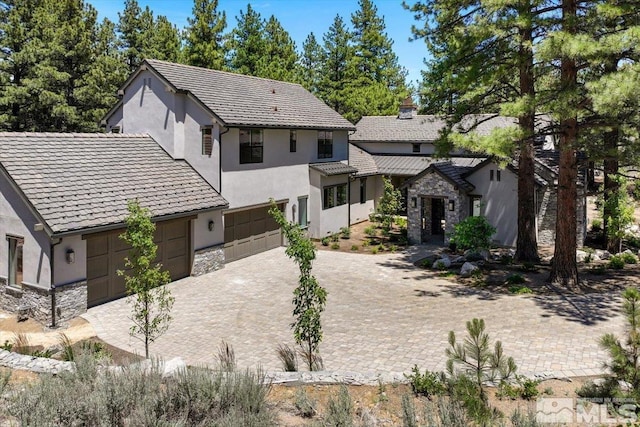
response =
{"points": [[15, 260], [491, 175], [363, 190], [325, 144], [147, 83], [250, 145], [115, 129], [476, 205], [497, 175], [335, 195], [416, 148], [207, 141], [302, 208], [293, 139]]}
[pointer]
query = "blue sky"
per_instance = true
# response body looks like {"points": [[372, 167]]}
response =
{"points": [[299, 18]]}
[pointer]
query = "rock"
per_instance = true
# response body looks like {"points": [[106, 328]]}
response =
{"points": [[477, 255], [603, 254], [581, 255], [443, 261], [173, 366], [595, 257], [628, 251], [458, 260], [468, 269]]}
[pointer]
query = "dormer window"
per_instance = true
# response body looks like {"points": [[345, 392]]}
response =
{"points": [[207, 141], [251, 146], [415, 148], [325, 144]]}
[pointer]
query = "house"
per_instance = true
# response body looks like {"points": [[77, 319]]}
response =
{"points": [[439, 193], [252, 139], [63, 201]]}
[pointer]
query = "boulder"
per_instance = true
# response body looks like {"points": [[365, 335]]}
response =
{"points": [[581, 255], [477, 255], [173, 366], [444, 260], [468, 269], [603, 254]]}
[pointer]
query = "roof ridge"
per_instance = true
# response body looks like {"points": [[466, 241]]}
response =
{"points": [[150, 61], [74, 134]]}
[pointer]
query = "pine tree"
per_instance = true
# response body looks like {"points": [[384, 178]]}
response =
{"points": [[204, 42], [310, 64], [247, 44], [279, 57], [338, 51]]}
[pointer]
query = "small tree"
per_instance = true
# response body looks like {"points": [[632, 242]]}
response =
{"points": [[309, 298], [151, 302], [389, 204], [475, 359], [621, 210], [625, 355]]}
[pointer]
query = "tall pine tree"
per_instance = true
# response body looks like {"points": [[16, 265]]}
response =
{"points": [[246, 43], [338, 52], [279, 58], [204, 40], [310, 64]]}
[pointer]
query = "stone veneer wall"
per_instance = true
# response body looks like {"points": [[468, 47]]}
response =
{"points": [[433, 185], [35, 302], [207, 260], [547, 213]]}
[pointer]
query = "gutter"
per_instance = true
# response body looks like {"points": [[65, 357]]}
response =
{"points": [[52, 288]]}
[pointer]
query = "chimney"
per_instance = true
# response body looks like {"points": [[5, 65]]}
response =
{"points": [[408, 109]]}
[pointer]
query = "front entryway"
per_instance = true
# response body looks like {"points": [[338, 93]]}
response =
{"points": [[432, 219]]}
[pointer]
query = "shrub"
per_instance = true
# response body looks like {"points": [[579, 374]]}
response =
{"points": [[354, 248], [306, 406], [629, 258], [288, 358], [365, 243], [523, 388], [440, 265], [345, 232], [427, 384], [226, 357], [408, 412], [335, 237], [616, 262], [446, 412], [325, 241], [371, 231], [473, 232], [381, 248], [596, 224], [393, 248], [515, 279], [339, 410], [335, 245], [374, 251], [519, 290]]}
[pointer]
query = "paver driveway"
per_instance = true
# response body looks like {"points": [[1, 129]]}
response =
{"points": [[383, 315]]}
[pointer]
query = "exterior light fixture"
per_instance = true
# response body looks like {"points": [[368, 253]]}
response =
{"points": [[70, 256], [414, 202], [452, 205]]}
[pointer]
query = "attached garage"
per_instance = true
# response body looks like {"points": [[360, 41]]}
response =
{"points": [[248, 232], [106, 253]]}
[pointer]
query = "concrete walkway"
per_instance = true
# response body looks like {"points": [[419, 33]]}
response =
{"points": [[382, 315]]}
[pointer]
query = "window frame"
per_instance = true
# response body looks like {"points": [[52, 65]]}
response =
{"points": [[363, 190], [325, 144], [251, 147], [206, 131], [416, 147], [303, 201], [472, 206], [15, 258], [490, 174], [293, 141], [498, 175], [334, 195]]}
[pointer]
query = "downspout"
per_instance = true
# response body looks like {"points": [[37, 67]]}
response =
{"points": [[53, 286], [220, 159]]}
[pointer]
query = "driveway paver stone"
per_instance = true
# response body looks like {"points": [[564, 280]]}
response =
{"points": [[382, 315]]}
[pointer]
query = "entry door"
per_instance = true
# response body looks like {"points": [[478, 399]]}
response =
{"points": [[437, 216]]}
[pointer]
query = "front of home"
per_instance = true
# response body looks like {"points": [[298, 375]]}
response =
{"points": [[252, 139]]}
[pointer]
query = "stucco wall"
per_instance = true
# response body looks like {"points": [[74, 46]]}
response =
{"points": [[65, 272], [361, 211], [17, 220], [499, 201]]}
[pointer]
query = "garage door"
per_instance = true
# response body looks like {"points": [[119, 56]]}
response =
{"points": [[106, 253], [249, 232]]}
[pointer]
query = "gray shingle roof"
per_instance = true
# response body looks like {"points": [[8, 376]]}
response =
{"points": [[420, 128], [240, 100], [409, 165], [333, 168], [80, 181], [455, 173], [363, 161]]}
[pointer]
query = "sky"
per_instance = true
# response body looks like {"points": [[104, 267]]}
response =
{"points": [[299, 18]]}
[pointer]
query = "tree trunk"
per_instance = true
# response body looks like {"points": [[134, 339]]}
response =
{"points": [[564, 269], [527, 243]]}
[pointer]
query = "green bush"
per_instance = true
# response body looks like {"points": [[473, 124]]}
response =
{"points": [[427, 384], [325, 241], [345, 232], [355, 248], [335, 237], [304, 404], [335, 245], [371, 231], [515, 279], [473, 232], [596, 224], [629, 258], [339, 410], [616, 262], [520, 290]]}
